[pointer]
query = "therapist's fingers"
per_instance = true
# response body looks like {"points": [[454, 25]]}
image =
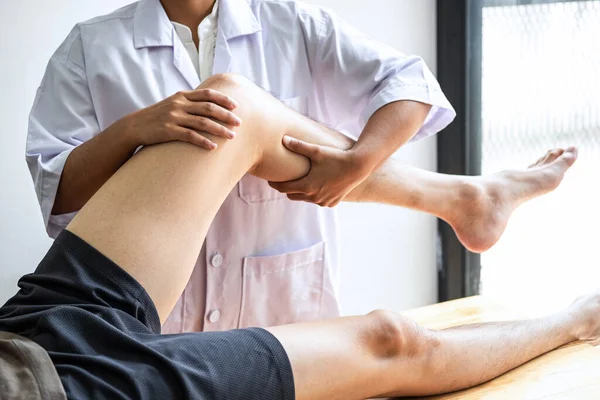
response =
{"points": [[212, 96], [312, 151], [309, 199], [179, 133], [203, 124], [297, 197], [212, 110]]}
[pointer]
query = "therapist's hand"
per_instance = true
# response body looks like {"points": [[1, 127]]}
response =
{"points": [[181, 117], [333, 174]]}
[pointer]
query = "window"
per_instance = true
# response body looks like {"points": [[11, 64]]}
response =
{"points": [[529, 72]]}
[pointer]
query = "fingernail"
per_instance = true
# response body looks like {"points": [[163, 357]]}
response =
{"points": [[213, 146], [234, 104], [231, 134], [286, 139], [238, 121]]}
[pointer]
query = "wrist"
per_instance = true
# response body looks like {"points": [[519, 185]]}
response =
{"points": [[123, 131]]}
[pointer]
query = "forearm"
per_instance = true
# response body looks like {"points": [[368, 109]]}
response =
{"points": [[469, 355], [389, 128], [90, 165]]}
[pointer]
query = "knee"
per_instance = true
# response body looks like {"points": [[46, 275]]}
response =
{"points": [[251, 100], [226, 82], [392, 335]]}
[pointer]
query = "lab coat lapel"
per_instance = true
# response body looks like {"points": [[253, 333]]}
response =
{"points": [[152, 28], [183, 64], [235, 19], [151, 25]]}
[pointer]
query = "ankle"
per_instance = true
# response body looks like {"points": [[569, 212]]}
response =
{"points": [[470, 199], [571, 324], [581, 318]]}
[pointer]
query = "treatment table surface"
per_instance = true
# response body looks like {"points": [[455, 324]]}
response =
{"points": [[569, 372]]}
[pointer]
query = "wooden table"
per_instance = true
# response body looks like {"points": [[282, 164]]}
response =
{"points": [[570, 372]]}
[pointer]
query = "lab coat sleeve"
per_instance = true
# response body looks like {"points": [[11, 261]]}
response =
{"points": [[354, 76], [62, 118]]}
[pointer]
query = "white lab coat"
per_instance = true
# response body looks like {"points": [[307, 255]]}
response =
{"points": [[305, 56]]}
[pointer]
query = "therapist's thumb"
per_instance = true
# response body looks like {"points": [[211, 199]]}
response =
{"points": [[309, 150]]}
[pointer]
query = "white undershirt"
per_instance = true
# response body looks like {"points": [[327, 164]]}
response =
{"points": [[204, 59]]}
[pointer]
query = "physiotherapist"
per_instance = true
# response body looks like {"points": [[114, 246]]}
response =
{"points": [[111, 87]]}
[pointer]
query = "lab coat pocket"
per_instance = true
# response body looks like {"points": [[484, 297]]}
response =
{"points": [[255, 190], [285, 288]]}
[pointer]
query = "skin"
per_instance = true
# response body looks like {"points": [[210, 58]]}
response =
{"points": [[142, 219], [189, 13]]}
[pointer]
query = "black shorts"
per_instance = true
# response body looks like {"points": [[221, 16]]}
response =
{"points": [[102, 332]]}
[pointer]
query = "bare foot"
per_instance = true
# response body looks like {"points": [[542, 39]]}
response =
{"points": [[487, 202], [585, 312]]}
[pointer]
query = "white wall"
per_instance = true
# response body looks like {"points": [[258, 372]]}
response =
{"points": [[388, 254]]}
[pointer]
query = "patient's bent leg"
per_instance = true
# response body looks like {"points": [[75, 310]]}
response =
{"points": [[151, 217]]}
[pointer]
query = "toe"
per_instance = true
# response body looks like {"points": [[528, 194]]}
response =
{"points": [[554, 154], [540, 160], [570, 155]]}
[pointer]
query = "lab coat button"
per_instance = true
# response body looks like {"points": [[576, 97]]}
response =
{"points": [[217, 260], [214, 316]]}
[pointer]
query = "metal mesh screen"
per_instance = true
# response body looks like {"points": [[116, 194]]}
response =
{"points": [[540, 90]]}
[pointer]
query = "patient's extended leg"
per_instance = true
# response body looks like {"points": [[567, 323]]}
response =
{"points": [[151, 218], [383, 354]]}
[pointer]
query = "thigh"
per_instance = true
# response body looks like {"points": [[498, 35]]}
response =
{"points": [[75, 275], [151, 217]]}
